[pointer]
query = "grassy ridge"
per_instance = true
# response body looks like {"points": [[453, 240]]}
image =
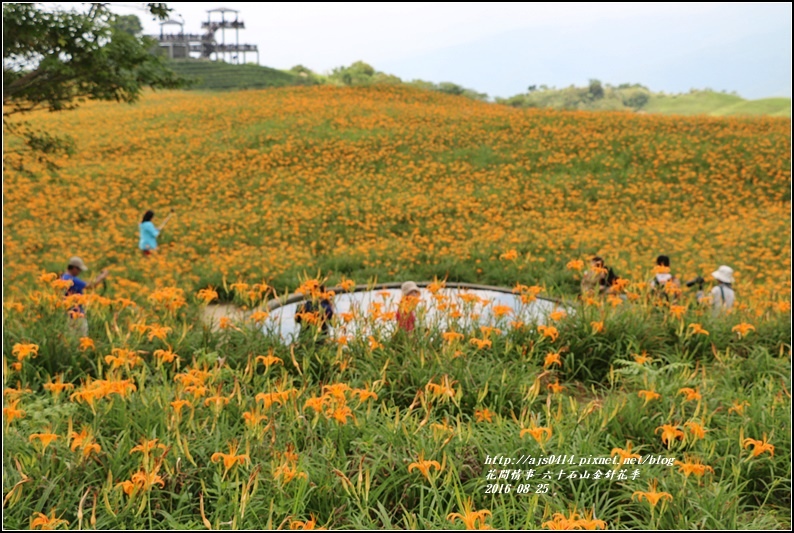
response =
{"points": [[212, 75], [219, 76], [717, 104]]}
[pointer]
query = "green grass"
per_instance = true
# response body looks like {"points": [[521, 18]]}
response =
{"points": [[776, 107], [219, 76], [718, 104]]}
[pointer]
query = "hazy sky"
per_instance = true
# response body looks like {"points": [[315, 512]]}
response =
{"points": [[501, 48]]}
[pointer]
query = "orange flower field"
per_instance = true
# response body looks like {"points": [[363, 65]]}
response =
{"points": [[633, 409], [394, 182]]}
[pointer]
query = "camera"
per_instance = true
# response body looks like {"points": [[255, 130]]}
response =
{"points": [[697, 281]]}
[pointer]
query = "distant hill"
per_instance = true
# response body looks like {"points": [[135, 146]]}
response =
{"points": [[628, 97], [720, 104], [219, 76]]}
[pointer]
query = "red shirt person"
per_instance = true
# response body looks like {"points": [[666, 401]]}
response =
{"points": [[406, 310]]}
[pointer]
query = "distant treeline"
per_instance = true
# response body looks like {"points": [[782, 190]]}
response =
{"points": [[595, 96], [360, 73]]}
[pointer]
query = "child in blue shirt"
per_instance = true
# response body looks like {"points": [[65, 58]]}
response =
{"points": [[78, 323]]}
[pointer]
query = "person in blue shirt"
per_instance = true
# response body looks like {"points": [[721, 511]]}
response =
{"points": [[149, 232], [323, 309], [76, 266]]}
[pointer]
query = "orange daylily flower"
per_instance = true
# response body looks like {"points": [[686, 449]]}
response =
{"points": [[484, 414], [561, 522], [84, 440], [552, 358], [86, 343], [22, 351], [158, 332], [341, 414], [166, 356], [364, 394], [480, 343], [693, 466], [540, 434], [557, 315], [14, 394], [690, 394], [207, 295], [146, 446], [44, 438], [424, 465], [308, 525], [649, 395], [697, 329], [697, 431], [589, 523], [669, 433], [625, 454], [443, 389], [738, 407], [678, 311], [759, 446], [743, 329], [471, 519], [269, 360], [651, 495], [43, 521], [259, 317], [509, 255], [555, 387], [549, 331], [229, 459]]}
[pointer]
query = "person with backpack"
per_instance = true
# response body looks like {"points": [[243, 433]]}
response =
{"points": [[722, 295]]}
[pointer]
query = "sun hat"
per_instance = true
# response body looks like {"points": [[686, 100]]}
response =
{"points": [[409, 287], [77, 262], [723, 274]]}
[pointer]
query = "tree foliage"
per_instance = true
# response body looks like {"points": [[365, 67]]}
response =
{"points": [[626, 96], [56, 59], [128, 24]]}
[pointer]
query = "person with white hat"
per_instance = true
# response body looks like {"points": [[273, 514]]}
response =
{"points": [[406, 315], [76, 266], [723, 295]]}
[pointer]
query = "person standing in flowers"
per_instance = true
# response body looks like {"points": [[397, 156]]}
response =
{"points": [[149, 232], [599, 279], [315, 313], [722, 295], [664, 282], [77, 320], [406, 309]]}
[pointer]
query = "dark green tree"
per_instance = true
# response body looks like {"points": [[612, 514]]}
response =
{"points": [[128, 24], [56, 59], [596, 90]]}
